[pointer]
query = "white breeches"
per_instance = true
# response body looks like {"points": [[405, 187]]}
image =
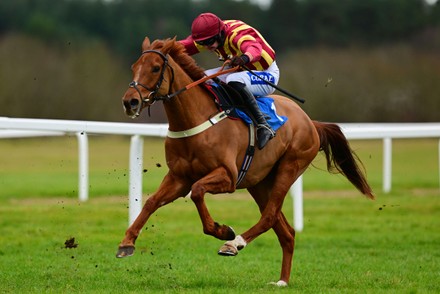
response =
{"points": [[256, 85]]}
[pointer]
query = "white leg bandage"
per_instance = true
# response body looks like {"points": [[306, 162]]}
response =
{"points": [[239, 242]]}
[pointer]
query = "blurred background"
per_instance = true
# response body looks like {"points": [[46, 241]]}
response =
{"points": [[353, 61]]}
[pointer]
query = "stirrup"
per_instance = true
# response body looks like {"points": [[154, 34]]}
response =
{"points": [[264, 135], [272, 132]]}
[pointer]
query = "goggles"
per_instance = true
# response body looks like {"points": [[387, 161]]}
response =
{"points": [[207, 42]]}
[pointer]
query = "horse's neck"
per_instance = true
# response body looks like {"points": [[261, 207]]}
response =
{"points": [[190, 108], [187, 111]]}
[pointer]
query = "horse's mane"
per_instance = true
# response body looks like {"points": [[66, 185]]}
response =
{"points": [[177, 51]]}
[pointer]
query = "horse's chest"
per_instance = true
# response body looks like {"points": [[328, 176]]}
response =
{"points": [[191, 166]]}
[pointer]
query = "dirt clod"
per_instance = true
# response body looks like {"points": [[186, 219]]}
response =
{"points": [[70, 243]]}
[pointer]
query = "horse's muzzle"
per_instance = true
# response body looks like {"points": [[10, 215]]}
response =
{"points": [[131, 106]]}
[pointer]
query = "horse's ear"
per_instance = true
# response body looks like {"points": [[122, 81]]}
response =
{"points": [[145, 44]]}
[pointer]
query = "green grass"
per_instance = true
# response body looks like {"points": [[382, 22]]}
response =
{"points": [[349, 244], [415, 164], [49, 167]]}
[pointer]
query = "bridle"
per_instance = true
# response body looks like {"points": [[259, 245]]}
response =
{"points": [[152, 97]]}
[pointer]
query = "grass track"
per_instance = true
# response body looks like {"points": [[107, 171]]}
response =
{"points": [[48, 167], [349, 245]]}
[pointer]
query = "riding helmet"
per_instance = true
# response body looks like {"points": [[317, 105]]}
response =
{"points": [[205, 26]]}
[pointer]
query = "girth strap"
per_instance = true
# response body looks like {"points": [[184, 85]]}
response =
{"points": [[249, 155]]}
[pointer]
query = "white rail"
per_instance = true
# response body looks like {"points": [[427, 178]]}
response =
{"points": [[16, 127], [23, 127]]}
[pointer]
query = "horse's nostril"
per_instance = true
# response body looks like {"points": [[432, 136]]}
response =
{"points": [[134, 102]]}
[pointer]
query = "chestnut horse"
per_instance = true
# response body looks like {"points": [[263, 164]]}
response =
{"points": [[209, 160]]}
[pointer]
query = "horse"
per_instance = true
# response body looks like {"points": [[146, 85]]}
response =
{"points": [[207, 159]]}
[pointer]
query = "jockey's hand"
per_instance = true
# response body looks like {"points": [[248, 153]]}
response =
{"points": [[239, 60]]}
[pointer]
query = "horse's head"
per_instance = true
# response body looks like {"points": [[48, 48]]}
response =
{"points": [[152, 78]]}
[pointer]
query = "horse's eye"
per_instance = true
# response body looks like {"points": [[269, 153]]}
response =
{"points": [[156, 69]]}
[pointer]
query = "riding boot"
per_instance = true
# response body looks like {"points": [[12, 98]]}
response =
{"points": [[264, 130]]}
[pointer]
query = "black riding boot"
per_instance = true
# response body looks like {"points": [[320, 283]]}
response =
{"points": [[264, 131]]}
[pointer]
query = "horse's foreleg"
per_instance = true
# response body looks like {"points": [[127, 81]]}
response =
{"points": [[218, 181], [169, 190]]}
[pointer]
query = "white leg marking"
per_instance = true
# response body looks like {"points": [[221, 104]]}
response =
{"points": [[280, 283]]}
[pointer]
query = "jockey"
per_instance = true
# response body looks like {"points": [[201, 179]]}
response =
{"points": [[244, 45]]}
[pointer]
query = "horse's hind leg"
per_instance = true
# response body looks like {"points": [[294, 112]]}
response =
{"points": [[269, 195], [169, 190], [286, 237], [284, 232], [274, 202]]}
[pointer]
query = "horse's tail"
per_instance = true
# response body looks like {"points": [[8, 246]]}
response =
{"points": [[340, 157]]}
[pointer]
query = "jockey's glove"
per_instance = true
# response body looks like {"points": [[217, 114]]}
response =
{"points": [[240, 60]]}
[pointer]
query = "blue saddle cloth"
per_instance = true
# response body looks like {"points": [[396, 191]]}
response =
{"points": [[267, 107], [224, 98]]}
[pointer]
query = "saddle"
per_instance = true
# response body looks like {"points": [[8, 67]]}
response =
{"points": [[232, 103], [226, 98]]}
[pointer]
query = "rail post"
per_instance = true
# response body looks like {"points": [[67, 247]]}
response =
{"points": [[387, 164], [135, 178], [298, 214], [83, 166]]}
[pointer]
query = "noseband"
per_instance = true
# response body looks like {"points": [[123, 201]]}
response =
{"points": [[152, 97]]}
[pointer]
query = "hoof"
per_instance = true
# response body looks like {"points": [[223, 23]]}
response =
{"points": [[222, 232], [125, 251], [231, 234], [228, 250]]}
